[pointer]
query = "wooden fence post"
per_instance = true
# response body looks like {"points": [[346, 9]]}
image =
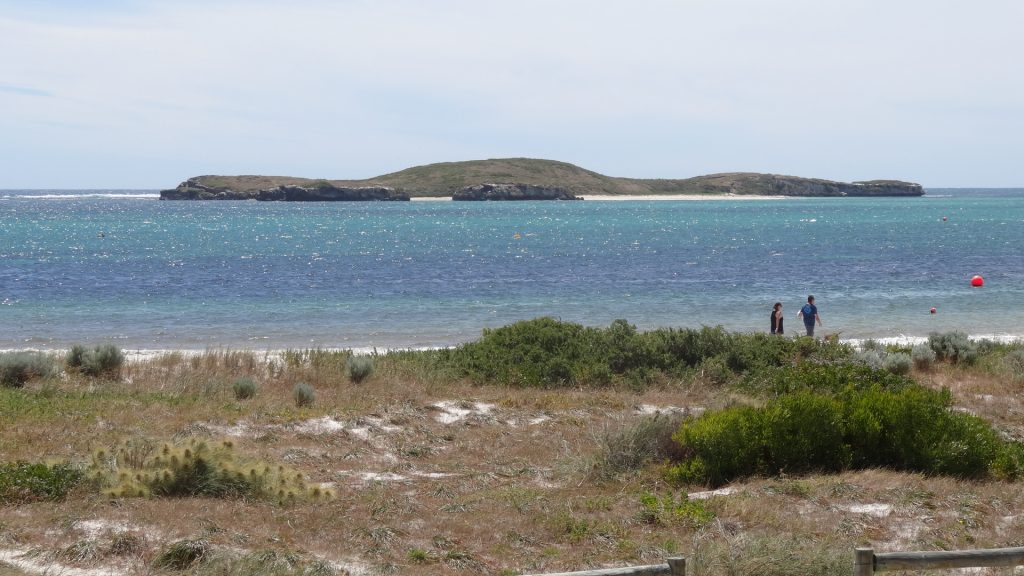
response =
{"points": [[677, 566], [863, 562]]}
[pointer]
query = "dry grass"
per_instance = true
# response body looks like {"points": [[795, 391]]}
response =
{"points": [[434, 476]]}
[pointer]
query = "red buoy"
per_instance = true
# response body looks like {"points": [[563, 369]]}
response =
{"points": [[977, 281], [933, 310]]}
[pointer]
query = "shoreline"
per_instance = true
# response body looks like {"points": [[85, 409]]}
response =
{"points": [[638, 197], [683, 197]]}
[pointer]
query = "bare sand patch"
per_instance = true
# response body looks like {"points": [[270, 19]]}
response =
{"points": [[681, 197]]}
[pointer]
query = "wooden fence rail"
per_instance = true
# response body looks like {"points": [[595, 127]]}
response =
{"points": [[672, 567], [866, 562]]}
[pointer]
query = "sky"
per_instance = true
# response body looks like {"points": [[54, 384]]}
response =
{"points": [[142, 94]]}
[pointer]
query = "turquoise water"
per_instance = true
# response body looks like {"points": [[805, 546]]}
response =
{"points": [[123, 267]]}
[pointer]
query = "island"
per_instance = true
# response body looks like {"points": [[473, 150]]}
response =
{"points": [[518, 179]]}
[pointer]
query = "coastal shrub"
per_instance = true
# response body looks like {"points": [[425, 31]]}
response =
{"points": [[103, 360], [1014, 361], [871, 345], [911, 428], [194, 468], [678, 348], [719, 446], [18, 368], [22, 482], [923, 356], [304, 394], [715, 371], [871, 358], [545, 352], [954, 347], [800, 433], [75, 356], [897, 363], [359, 368], [244, 388], [822, 378]]}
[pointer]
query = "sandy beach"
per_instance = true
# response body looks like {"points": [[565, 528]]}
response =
{"points": [[611, 197], [643, 198]]}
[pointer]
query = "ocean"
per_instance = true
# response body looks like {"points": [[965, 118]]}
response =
{"points": [[122, 267]]}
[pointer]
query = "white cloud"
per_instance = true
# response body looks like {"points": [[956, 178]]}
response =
{"points": [[148, 93]]}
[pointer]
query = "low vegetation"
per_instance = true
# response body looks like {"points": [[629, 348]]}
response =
{"points": [[359, 368], [17, 368], [100, 361], [244, 388], [912, 428], [22, 482], [543, 446], [195, 468], [547, 353]]}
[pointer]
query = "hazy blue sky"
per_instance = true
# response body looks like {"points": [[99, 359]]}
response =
{"points": [[145, 93]]}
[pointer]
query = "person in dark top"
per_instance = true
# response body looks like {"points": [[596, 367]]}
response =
{"points": [[776, 318], [810, 315]]}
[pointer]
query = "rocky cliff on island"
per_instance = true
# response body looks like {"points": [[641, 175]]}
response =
{"points": [[513, 192], [519, 179], [318, 191], [747, 183], [330, 193]]}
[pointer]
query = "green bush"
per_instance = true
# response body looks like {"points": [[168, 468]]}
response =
{"points": [[22, 482], [955, 347], [872, 345], [359, 368], [800, 433], [304, 394], [870, 358], [823, 378], [715, 370], [18, 368], [244, 388], [103, 360], [897, 363], [720, 446], [75, 357], [908, 428], [545, 352], [923, 356]]}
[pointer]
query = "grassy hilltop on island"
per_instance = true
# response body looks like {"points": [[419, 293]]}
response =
{"points": [[446, 178]]}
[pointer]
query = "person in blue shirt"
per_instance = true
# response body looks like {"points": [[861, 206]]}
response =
{"points": [[809, 313]]}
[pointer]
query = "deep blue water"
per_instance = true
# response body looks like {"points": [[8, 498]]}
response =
{"points": [[123, 267]]}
